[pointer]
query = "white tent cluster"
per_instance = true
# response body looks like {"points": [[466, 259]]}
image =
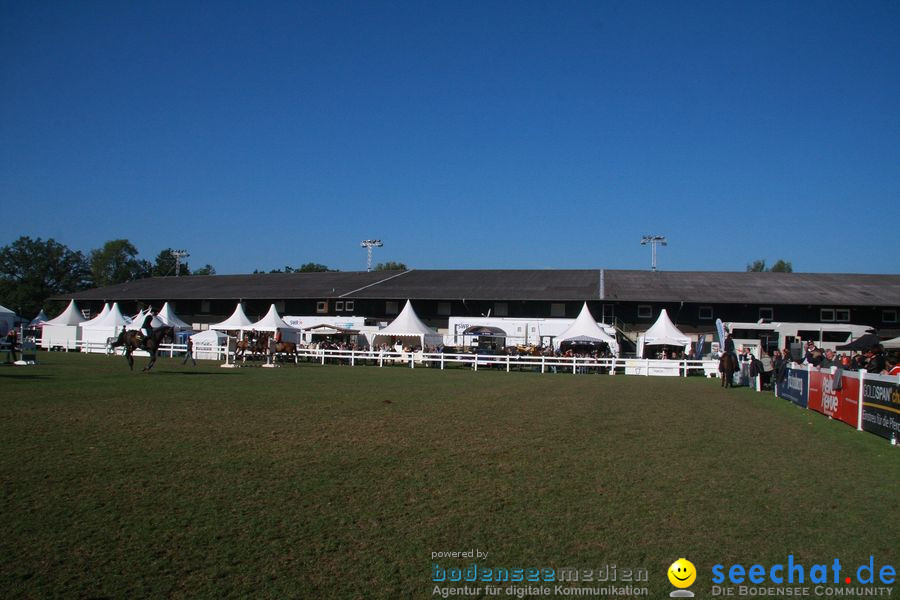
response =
{"points": [[272, 321]]}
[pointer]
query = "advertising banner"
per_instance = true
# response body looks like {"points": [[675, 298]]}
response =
{"points": [[842, 404], [881, 408], [795, 387]]}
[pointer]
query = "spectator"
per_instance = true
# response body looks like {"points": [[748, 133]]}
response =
{"points": [[829, 360], [877, 362], [768, 367]]}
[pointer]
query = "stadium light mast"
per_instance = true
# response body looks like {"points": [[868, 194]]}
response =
{"points": [[179, 254], [653, 240], [368, 245]]}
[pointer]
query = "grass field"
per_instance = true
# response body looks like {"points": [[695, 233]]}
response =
{"points": [[339, 482]]}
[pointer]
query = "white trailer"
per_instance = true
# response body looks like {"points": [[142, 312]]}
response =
{"points": [[518, 331]]}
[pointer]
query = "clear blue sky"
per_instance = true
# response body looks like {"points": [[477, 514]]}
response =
{"points": [[464, 134]]}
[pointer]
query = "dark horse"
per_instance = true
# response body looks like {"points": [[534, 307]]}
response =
{"points": [[133, 340], [728, 365]]}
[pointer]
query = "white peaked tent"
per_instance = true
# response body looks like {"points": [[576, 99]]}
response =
{"points": [[64, 331], [102, 314], [585, 329], [7, 320], [138, 321], [39, 320], [237, 321], [96, 331], [407, 325], [168, 316], [663, 333], [206, 344], [273, 322]]}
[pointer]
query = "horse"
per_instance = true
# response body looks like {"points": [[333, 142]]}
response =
{"points": [[132, 340], [289, 348], [728, 365]]}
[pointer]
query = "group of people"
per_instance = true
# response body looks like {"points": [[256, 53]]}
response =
{"points": [[873, 360]]}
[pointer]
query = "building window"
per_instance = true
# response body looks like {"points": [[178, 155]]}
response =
{"points": [[826, 314], [706, 313], [349, 305], [645, 311], [443, 309], [391, 307], [767, 313], [279, 306], [338, 305], [889, 316], [842, 315], [557, 309], [322, 306], [501, 309], [204, 306]]}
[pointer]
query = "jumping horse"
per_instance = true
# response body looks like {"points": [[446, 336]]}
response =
{"points": [[133, 340]]}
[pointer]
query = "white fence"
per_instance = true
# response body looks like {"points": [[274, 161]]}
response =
{"points": [[544, 364]]}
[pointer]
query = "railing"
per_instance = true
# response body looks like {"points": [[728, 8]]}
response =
{"points": [[544, 364]]}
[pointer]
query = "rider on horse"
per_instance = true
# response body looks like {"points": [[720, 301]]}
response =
{"points": [[147, 327]]}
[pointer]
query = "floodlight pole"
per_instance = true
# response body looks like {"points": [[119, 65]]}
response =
{"points": [[653, 240], [368, 245], [179, 254]]}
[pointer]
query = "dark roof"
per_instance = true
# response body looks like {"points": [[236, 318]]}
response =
{"points": [[753, 288], [508, 284], [262, 286], [494, 284]]}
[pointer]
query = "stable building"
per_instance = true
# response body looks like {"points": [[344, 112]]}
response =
{"points": [[630, 300]]}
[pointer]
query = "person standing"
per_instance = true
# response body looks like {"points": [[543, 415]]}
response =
{"points": [[190, 353]]}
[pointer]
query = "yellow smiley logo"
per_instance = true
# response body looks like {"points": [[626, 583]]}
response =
{"points": [[682, 573]]}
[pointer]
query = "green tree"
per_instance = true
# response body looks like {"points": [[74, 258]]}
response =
{"points": [[757, 266], [117, 262], [782, 266], [31, 271], [312, 267], [206, 269], [390, 266], [165, 264]]}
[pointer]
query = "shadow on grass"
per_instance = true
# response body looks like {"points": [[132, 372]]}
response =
{"points": [[24, 376], [193, 373]]}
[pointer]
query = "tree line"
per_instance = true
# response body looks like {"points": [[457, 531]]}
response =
{"points": [[33, 270]]}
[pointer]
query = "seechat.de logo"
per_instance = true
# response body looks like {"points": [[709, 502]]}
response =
{"points": [[682, 574]]}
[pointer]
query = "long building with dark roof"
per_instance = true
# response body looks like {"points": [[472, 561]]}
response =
{"points": [[630, 299]]}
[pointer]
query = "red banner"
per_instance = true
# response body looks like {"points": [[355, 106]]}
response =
{"points": [[842, 404]]}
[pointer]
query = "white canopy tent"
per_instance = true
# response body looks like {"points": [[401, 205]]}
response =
{"points": [[95, 332], [39, 320], [407, 325], [663, 333], [97, 318], [168, 316], [585, 329], [137, 322], [7, 320], [64, 331], [238, 321], [274, 323], [207, 344]]}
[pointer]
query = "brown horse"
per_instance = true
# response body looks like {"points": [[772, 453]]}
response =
{"points": [[289, 348], [728, 365], [133, 340]]}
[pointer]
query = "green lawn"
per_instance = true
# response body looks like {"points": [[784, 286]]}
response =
{"points": [[339, 482]]}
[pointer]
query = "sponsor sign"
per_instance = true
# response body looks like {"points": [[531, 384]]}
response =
{"points": [[881, 408], [842, 404], [795, 387]]}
